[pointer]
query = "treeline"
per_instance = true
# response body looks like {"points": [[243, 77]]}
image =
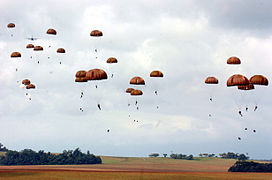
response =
{"points": [[182, 156], [2, 147], [231, 155], [30, 157], [250, 166]]}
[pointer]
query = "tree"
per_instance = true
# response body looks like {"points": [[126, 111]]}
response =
{"points": [[154, 155], [164, 155], [242, 157]]}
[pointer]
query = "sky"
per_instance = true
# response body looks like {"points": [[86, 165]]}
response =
{"points": [[186, 40]]}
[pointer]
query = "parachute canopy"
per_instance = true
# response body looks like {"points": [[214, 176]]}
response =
{"points": [[136, 92], [96, 33], [30, 86], [61, 50], [38, 48], [128, 90], [81, 73], [259, 80], [26, 81], [211, 80], [156, 74], [237, 79], [30, 46], [51, 31], [15, 54], [137, 81], [233, 60], [81, 79], [11, 25], [246, 87], [112, 60], [96, 74]]}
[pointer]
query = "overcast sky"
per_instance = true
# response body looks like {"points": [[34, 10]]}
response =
{"points": [[187, 40]]}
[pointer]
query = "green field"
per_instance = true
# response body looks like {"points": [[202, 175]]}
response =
{"points": [[133, 168]]}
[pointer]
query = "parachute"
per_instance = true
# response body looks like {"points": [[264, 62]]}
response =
{"points": [[11, 25], [38, 48], [112, 60], [30, 86], [81, 76], [29, 46], [96, 74], [156, 74], [51, 32], [26, 82], [128, 90], [246, 87], [96, 33], [233, 60], [237, 79], [60, 50], [259, 80], [137, 81], [15, 55], [136, 92], [211, 80]]}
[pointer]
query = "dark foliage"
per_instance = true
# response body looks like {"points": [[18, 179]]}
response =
{"points": [[2, 148], [250, 166], [154, 155], [182, 156], [30, 157], [231, 155]]}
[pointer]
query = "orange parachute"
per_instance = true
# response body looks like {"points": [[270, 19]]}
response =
{"points": [[246, 87], [258, 80], [30, 86], [128, 90], [26, 81], [38, 48], [81, 76], [61, 50], [136, 92], [15, 54], [137, 81], [233, 60], [30, 46], [96, 33], [112, 60], [51, 31], [211, 80], [156, 74], [96, 74], [11, 25], [237, 79]]}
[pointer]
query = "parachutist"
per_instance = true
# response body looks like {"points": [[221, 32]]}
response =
{"points": [[60, 62], [95, 50], [210, 115], [111, 75], [108, 130], [49, 46], [240, 112], [239, 138], [95, 86], [98, 105], [157, 107], [210, 99], [136, 103], [255, 108], [245, 129], [128, 115], [254, 130], [137, 108], [128, 104], [31, 57], [16, 69], [48, 57], [38, 62], [246, 108], [96, 57], [156, 92], [11, 35], [26, 94]]}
